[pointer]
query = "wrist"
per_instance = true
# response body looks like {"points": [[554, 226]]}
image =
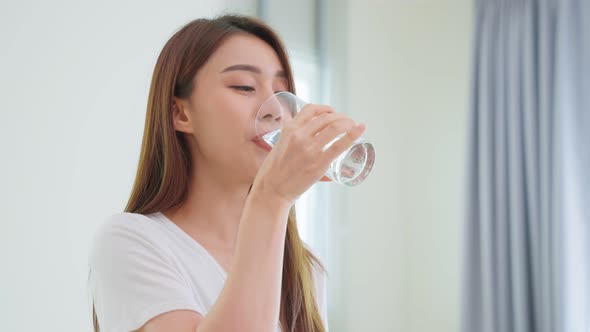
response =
{"points": [[266, 198], [267, 209]]}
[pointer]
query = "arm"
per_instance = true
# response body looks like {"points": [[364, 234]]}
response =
{"points": [[250, 299]]}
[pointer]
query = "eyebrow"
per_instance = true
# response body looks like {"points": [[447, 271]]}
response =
{"points": [[252, 69]]}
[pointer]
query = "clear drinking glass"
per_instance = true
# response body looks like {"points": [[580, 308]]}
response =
{"points": [[350, 168]]}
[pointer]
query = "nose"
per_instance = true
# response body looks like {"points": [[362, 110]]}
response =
{"points": [[269, 116], [271, 109]]}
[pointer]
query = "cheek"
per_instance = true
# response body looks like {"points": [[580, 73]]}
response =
{"points": [[224, 123], [236, 112]]}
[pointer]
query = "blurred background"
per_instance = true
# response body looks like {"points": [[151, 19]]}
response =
{"points": [[467, 222]]}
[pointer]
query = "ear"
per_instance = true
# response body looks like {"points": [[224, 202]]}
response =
{"points": [[181, 115]]}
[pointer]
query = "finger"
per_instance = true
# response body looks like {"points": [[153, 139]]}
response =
{"points": [[319, 123], [311, 111], [325, 179], [345, 142], [332, 131]]}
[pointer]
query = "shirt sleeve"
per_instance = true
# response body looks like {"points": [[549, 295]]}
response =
{"points": [[132, 278]]}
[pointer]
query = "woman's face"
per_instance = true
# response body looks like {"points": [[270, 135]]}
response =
{"points": [[220, 113]]}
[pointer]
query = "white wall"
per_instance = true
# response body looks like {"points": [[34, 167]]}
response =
{"points": [[399, 238], [74, 79]]}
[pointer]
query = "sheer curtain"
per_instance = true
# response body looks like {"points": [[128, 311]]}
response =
{"points": [[528, 218]]}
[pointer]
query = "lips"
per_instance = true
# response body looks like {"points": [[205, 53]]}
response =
{"points": [[261, 144]]}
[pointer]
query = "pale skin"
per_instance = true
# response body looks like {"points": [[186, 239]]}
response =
{"points": [[245, 233]]}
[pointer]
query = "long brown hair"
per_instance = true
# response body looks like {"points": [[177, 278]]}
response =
{"points": [[165, 162]]}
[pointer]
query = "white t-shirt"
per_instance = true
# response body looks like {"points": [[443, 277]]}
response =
{"points": [[144, 265]]}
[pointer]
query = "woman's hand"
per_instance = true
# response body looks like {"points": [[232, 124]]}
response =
{"points": [[298, 161]]}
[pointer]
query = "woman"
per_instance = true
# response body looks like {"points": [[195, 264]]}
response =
{"points": [[209, 241]]}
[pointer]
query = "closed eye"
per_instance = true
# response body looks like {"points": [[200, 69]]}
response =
{"points": [[248, 88], [244, 88]]}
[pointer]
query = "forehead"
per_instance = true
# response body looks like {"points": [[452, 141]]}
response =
{"points": [[247, 49]]}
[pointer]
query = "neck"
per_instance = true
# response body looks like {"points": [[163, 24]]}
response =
{"points": [[213, 207]]}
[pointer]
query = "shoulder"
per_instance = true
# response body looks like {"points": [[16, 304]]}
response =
{"points": [[125, 221], [127, 225], [123, 233], [133, 275]]}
